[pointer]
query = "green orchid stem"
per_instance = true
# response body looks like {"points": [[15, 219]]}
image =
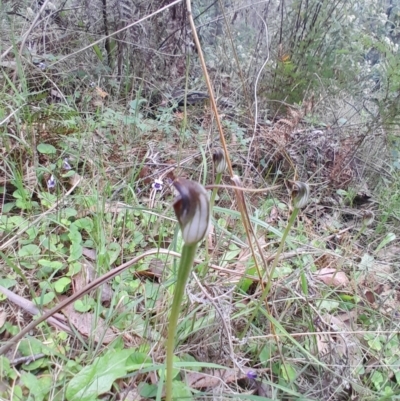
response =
{"points": [[185, 266], [267, 288], [218, 178]]}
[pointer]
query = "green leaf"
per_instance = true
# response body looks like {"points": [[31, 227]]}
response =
{"points": [[48, 199], [377, 379], [83, 305], [85, 224], [388, 238], [46, 149], [62, 284], [45, 299], [39, 388], [69, 212], [113, 249], [29, 346], [137, 358], [328, 305], [288, 372], [53, 265], [21, 194], [7, 207], [98, 52], [148, 390], [7, 282], [5, 368], [181, 392], [74, 268], [29, 251], [70, 173], [97, 378], [75, 250]]}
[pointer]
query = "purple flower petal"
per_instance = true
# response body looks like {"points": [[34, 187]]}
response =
{"points": [[251, 375]]}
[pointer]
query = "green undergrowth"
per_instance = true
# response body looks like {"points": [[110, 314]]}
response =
{"points": [[104, 104], [80, 196]]}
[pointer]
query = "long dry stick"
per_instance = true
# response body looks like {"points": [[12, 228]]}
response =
{"points": [[239, 195]]}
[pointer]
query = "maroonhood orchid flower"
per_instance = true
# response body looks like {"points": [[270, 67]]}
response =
{"points": [[192, 209], [300, 194], [219, 161]]}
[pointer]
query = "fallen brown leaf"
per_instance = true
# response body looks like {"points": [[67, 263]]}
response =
{"points": [[88, 324], [332, 277], [216, 376]]}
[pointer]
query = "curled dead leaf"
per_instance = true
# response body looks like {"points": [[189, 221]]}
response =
{"points": [[332, 277], [89, 324]]}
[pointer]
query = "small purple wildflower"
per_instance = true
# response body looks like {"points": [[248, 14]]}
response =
{"points": [[66, 165], [157, 185], [251, 375], [51, 182]]}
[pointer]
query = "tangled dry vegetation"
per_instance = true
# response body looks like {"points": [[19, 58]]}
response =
{"points": [[88, 156]]}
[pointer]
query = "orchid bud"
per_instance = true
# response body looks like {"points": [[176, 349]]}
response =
{"points": [[219, 160], [192, 209], [367, 217], [300, 194]]}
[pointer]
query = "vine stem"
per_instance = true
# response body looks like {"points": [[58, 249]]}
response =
{"points": [[185, 266]]}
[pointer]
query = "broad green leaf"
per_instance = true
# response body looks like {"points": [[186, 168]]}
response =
{"points": [[70, 173], [48, 199], [97, 378], [39, 388], [52, 264], [7, 207], [85, 224], [6, 370], [21, 193], [74, 268], [181, 392], [83, 305], [45, 299], [137, 358], [7, 282], [46, 149], [29, 251], [69, 212], [288, 372], [377, 379], [75, 249], [328, 305], [62, 284], [148, 390], [113, 249]]}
